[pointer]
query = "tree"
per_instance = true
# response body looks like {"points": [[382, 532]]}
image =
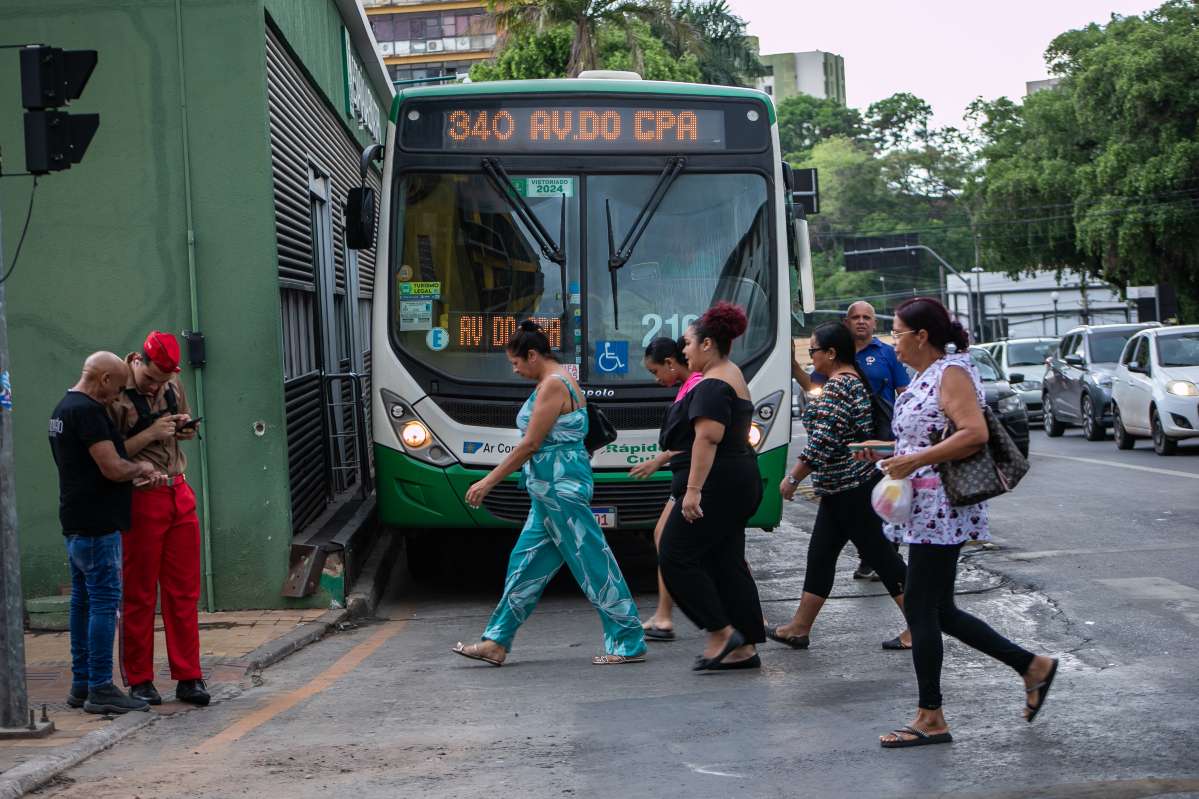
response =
{"points": [[714, 34], [520, 18], [805, 121], [900, 120], [1102, 173]]}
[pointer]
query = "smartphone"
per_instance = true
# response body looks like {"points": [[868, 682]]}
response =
{"points": [[880, 448], [190, 423]]}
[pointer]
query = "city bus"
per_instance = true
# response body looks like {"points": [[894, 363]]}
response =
{"points": [[612, 211]]}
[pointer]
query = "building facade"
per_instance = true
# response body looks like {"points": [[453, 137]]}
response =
{"points": [[421, 40], [815, 73], [210, 200]]}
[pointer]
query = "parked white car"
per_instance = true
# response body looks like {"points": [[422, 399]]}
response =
{"points": [[1155, 388]]}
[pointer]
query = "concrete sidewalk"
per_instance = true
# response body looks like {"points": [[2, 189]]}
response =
{"points": [[232, 646]]}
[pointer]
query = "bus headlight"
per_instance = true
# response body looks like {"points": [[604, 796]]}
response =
{"points": [[756, 435], [414, 434]]}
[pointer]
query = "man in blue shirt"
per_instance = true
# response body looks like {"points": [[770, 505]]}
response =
{"points": [[877, 360], [888, 378]]}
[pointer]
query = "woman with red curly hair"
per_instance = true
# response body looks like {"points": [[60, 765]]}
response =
{"points": [[716, 489]]}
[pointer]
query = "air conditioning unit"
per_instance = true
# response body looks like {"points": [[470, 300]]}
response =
{"points": [[386, 48], [434, 46]]}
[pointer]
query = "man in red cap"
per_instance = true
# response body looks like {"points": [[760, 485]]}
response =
{"points": [[161, 548]]}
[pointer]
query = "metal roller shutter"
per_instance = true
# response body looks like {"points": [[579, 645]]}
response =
{"points": [[309, 139]]}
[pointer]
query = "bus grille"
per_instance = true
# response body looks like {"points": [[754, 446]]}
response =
{"points": [[481, 413], [637, 504]]}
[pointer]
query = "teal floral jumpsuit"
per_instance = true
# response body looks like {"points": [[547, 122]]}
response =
{"points": [[562, 529]]}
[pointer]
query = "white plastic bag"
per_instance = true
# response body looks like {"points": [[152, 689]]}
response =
{"points": [[892, 500]]}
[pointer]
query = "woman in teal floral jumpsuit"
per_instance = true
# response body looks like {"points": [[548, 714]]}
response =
{"points": [[556, 470]]}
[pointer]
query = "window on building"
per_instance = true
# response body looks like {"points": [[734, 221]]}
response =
{"points": [[462, 31]]}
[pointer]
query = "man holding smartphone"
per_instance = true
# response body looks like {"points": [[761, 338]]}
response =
{"points": [[162, 545]]}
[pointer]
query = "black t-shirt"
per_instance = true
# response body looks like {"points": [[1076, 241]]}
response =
{"points": [[88, 502], [710, 399]]}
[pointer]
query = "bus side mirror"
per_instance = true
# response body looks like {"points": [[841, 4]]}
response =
{"points": [[360, 218]]}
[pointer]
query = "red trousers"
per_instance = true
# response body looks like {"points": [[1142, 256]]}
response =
{"points": [[161, 549]]}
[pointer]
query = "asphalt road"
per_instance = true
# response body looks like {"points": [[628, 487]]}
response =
{"points": [[1098, 563]]}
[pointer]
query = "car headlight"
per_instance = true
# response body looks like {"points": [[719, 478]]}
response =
{"points": [[1101, 379], [1009, 404], [415, 436], [1028, 385], [814, 392], [1182, 388]]}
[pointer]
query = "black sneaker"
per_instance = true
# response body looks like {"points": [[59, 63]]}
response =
{"points": [[146, 692], [863, 572], [110, 699], [193, 692], [77, 696]]}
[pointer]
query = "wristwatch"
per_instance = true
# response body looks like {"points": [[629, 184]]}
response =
{"points": [[791, 479]]}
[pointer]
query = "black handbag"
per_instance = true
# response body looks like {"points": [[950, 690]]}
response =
{"points": [[995, 469], [881, 414], [600, 432]]}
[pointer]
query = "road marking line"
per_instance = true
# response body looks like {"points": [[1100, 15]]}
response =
{"points": [[710, 772], [347, 663], [1174, 596], [1101, 462], [1053, 553]]}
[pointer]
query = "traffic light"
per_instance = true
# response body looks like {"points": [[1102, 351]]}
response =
{"points": [[50, 78]]}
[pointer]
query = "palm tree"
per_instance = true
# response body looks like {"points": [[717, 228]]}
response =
{"points": [[587, 17]]}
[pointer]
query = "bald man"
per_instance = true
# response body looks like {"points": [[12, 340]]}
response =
{"points": [[94, 496], [877, 360]]}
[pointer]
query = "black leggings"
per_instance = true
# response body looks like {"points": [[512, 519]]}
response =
{"points": [[703, 562], [848, 516], [928, 605]]}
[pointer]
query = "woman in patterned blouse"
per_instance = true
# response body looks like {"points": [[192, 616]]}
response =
{"points": [[840, 416], [946, 389]]}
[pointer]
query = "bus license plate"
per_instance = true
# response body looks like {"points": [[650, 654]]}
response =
{"points": [[605, 517]]}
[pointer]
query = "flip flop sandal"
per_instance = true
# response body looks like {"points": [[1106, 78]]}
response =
{"points": [[922, 739], [658, 634], [793, 641], [460, 649], [616, 660], [1042, 689], [895, 643]]}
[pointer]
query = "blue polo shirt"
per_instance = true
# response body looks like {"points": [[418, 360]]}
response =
{"points": [[881, 367]]}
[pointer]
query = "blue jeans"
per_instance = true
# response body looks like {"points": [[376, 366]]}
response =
{"points": [[95, 599]]}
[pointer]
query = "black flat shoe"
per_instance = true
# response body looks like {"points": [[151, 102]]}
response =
{"points": [[658, 634], [194, 692], [895, 643], [736, 641], [752, 662]]}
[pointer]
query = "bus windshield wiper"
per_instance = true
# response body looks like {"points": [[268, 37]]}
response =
{"points": [[553, 251], [618, 257]]}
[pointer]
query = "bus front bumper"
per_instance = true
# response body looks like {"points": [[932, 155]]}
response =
{"points": [[413, 494]]}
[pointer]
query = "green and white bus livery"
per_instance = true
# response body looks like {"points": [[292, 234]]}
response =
{"points": [[610, 209]]}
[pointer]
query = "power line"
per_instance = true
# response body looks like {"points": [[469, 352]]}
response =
{"points": [[24, 230]]}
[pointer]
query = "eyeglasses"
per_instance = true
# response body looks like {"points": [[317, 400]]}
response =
{"points": [[902, 332], [813, 350]]}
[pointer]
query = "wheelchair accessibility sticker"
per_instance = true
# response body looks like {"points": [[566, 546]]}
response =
{"points": [[612, 357]]}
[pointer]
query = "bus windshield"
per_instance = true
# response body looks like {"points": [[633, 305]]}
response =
{"points": [[707, 241], [469, 271]]}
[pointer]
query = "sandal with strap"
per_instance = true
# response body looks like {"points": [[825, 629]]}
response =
{"points": [[461, 649], [1042, 689], [922, 739], [616, 660]]}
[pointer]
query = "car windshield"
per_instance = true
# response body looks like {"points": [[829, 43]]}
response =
{"points": [[1179, 349], [1030, 353], [708, 241], [987, 370], [469, 270], [1106, 346]]}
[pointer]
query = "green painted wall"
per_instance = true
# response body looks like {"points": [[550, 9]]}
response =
{"points": [[106, 257]]}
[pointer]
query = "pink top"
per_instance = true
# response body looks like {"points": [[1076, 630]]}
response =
{"points": [[689, 384]]}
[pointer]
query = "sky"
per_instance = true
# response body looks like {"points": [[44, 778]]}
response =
{"points": [[945, 51]]}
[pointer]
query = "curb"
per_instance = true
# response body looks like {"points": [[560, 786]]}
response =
{"points": [[18, 780], [368, 589]]}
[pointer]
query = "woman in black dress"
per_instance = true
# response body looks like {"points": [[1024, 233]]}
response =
{"points": [[717, 488]]}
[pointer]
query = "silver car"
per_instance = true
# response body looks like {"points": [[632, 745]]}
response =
{"points": [[1025, 358]]}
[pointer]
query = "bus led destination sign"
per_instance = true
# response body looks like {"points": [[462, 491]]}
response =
{"points": [[487, 332], [547, 127]]}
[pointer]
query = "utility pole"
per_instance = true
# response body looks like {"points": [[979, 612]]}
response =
{"points": [[944, 265]]}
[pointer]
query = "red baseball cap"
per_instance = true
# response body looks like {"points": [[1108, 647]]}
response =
{"points": [[163, 350]]}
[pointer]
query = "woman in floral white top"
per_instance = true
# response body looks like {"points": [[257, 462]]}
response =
{"points": [[946, 389]]}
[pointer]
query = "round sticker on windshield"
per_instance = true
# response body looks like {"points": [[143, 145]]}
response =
{"points": [[405, 273], [437, 339]]}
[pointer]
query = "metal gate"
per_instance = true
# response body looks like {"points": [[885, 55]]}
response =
{"points": [[324, 289]]}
